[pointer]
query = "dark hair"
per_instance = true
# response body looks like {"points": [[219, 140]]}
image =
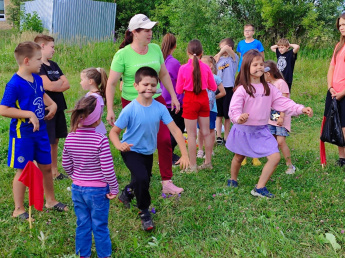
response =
{"points": [[228, 41], [25, 49], [195, 48], [211, 60], [84, 107], [342, 38], [100, 77], [168, 43], [143, 72], [249, 25], [41, 38], [243, 78], [128, 38], [274, 71]]}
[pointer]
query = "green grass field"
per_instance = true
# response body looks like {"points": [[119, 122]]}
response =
{"points": [[209, 219]]}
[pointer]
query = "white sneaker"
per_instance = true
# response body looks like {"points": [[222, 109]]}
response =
{"points": [[291, 170], [200, 154]]}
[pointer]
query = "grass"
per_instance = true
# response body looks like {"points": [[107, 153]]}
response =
{"points": [[210, 219]]}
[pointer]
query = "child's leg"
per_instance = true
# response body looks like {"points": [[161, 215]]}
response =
{"points": [[285, 149], [267, 171], [191, 131], [236, 165], [219, 126], [341, 150], [200, 141], [204, 123], [54, 155], [18, 194], [213, 137], [226, 128]]}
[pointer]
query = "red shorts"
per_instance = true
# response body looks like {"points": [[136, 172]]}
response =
{"points": [[195, 105]]}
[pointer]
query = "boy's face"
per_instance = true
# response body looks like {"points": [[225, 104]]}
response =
{"points": [[283, 49], [248, 32], [146, 87], [48, 49], [34, 63]]}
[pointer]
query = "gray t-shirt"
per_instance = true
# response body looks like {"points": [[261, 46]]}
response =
{"points": [[226, 70]]}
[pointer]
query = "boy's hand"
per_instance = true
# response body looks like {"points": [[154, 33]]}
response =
{"points": [[34, 121], [51, 111], [125, 147], [243, 118], [111, 196], [184, 162], [308, 111], [280, 121]]}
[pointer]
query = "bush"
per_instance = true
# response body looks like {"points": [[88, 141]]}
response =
{"points": [[31, 22]]}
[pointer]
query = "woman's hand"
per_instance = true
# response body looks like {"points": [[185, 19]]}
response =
{"points": [[111, 117], [175, 104]]}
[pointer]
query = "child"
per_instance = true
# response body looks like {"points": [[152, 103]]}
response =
{"points": [[248, 43], [211, 62], [286, 58], [95, 81], [249, 111], [24, 100], [142, 118], [279, 123], [227, 62], [87, 160], [54, 83], [193, 79], [173, 66]]}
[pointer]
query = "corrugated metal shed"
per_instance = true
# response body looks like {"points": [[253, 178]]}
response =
{"points": [[76, 19]]}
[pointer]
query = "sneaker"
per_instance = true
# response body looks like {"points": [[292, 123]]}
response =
{"points": [[146, 221], [256, 162], [220, 140], [244, 162], [200, 154], [205, 166], [61, 177], [340, 162], [169, 188], [126, 198], [232, 183], [262, 192], [291, 170]]}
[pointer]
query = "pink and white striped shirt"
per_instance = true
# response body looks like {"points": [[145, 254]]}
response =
{"points": [[86, 157]]}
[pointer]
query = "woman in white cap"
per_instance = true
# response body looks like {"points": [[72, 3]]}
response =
{"points": [[137, 51]]}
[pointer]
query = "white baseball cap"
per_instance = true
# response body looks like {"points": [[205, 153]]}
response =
{"points": [[140, 21]]}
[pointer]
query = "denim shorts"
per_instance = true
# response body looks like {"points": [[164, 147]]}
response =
{"points": [[278, 130]]}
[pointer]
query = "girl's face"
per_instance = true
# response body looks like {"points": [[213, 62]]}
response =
{"points": [[144, 36], [267, 76], [206, 61], [257, 67], [342, 26], [85, 82]]}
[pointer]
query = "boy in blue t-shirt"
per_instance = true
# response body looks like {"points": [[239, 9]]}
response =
{"points": [[24, 101], [141, 118], [248, 43]]}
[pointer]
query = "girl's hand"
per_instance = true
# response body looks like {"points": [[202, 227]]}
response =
{"points": [[280, 121], [243, 118], [125, 147], [308, 111], [184, 162], [111, 196], [338, 95]]}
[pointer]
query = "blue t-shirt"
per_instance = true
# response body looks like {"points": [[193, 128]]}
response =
{"points": [[244, 47], [24, 95], [226, 70], [142, 125], [218, 81]]}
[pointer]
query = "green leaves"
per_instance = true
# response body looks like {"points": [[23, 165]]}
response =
{"points": [[330, 239]]}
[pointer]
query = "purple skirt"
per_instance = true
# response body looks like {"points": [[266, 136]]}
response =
{"points": [[251, 141]]}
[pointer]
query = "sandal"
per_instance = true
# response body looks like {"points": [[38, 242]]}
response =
{"points": [[191, 169], [205, 166], [60, 207], [23, 216], [61, 177]]}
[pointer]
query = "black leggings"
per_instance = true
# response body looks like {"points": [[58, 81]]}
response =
{"points": [[179, 121]]}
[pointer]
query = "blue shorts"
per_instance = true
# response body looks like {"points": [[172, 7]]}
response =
{"points": [[21, 150], [278, 130], [213, 116]]}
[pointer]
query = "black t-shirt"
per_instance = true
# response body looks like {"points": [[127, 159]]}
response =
{"points": [[286, 64], [53, 72]]}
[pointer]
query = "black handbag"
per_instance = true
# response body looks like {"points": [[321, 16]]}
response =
{"points": [[332, 131]]}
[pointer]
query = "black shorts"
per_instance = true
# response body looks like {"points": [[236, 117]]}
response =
{"points": [[57, 127], [341, 108], [223, 103]]}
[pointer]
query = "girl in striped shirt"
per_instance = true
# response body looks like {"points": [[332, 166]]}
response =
{"points": [[87, 160]]}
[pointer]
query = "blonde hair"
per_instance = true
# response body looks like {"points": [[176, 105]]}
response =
{"points": [[41, 38], [211, 60], [283, 42]]}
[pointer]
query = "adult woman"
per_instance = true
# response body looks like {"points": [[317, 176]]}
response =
{"points": [[136, 51], [336, 81]]}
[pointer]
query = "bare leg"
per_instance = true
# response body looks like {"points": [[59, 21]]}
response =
{"points": [[191, 131], [213, 137], [285, 149], [226, 128], [204, 123], [219, 126], [18, 194], [200, 141], [267, 171], [54, 155], [341, 150], [236, 165]]}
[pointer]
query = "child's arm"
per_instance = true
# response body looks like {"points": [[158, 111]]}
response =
{"points": [[67, 162], [176, 132], [60, 85], [280, 120], [274, 48], [51, 106], [222, 92], [295, 48], [114, 136], [226, 49], [18, 114]]}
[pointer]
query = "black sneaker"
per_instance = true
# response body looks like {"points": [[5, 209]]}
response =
{"points": [[175, 158], [220, 140], [341, 162], [61, 177], [146, 220], [126, 197]]}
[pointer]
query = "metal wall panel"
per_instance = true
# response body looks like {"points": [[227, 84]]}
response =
{"points": [[44, 9]]}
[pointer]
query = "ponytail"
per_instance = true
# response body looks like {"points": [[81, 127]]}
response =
{"points": [[195, 48], [84, 107], [100, 78], [128, 38], [168, 43]]}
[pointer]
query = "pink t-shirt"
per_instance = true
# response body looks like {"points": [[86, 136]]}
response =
{"points": [[338, 83], [281, 85]]}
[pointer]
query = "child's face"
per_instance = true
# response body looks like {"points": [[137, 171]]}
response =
{"points": [[267, 76], [248, 32], [283, 49], [205, 61], [146, 87], [257, 67], [48, 49], [34, 63], [84, 81]]}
